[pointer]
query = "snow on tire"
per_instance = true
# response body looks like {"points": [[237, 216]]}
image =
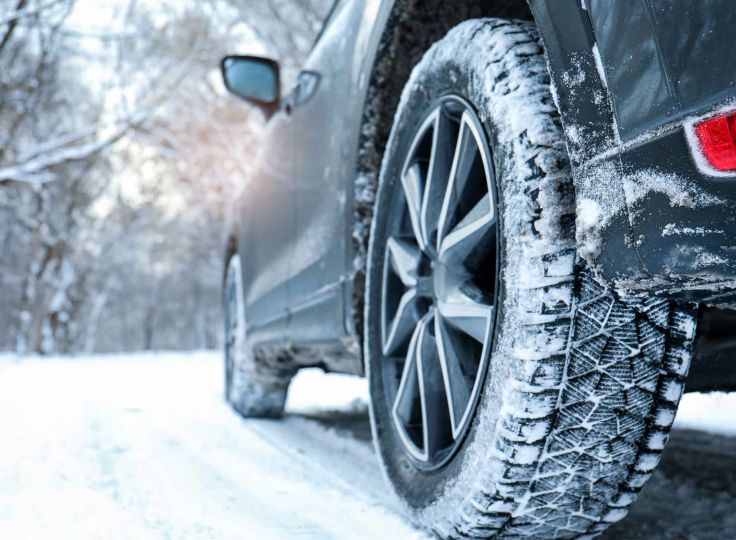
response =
{"points": [[582, 386], [251, 391]]}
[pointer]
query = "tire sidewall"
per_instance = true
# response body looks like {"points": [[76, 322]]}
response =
{"points": [[233, 293]]}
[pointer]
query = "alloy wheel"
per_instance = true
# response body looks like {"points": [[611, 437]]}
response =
{"points": [[440, 281]]}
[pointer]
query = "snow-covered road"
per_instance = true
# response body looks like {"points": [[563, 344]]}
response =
{"points": [[143, 446]]}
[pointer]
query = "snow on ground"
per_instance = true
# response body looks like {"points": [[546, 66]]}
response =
{"points": [[143, 446], [714, 413]]}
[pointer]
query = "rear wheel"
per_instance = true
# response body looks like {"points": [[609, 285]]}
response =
{"points": [[439, 282], [511, 395], [251, 391]]}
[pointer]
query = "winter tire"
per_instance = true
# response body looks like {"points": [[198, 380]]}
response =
{"points": [[250, 391], [511, 395]]}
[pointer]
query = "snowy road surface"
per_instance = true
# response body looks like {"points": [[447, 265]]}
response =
{"points": [[143, 447]]}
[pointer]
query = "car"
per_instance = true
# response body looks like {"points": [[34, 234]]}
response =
{"points": [[515, 219]]}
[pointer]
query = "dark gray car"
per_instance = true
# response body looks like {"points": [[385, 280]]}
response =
{"points": [[516, 220]]}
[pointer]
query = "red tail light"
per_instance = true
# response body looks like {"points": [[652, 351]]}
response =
{"points": [[717, 138]]}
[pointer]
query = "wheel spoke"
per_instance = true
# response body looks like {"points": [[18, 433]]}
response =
{"points": [[466, 311], [465, 151], [472, 231], [408, 392], [436, 425], [404, 260], [402, 324], [444, 141], [413, 185], [457, 386]]}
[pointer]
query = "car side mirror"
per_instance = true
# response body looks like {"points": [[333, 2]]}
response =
{"points": [[253, 79]]}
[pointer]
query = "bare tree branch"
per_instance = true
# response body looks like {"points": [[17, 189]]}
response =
{"points": [[22, 12], [37, 169], [11, 25]]}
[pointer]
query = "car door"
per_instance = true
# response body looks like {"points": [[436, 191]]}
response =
{"points": [[327, 111], [267, 232]]}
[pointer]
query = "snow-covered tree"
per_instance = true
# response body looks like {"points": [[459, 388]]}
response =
{"points": [[120, 156]]}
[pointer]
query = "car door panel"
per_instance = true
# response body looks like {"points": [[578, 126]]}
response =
{"points": [[266, 236], [327, 124]]}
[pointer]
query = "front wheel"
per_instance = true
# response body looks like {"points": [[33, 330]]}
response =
{"points": [[511, 395]]}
